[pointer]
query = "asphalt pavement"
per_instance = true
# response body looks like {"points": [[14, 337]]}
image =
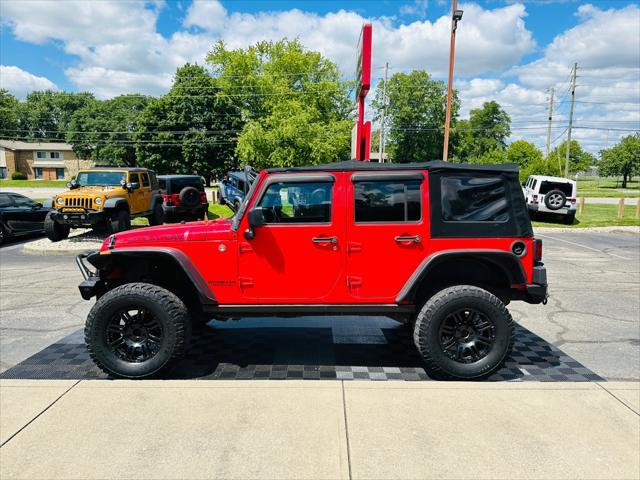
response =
{"points": [[592, 314]]}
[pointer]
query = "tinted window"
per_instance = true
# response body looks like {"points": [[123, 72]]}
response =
{"points": [[154, 180], [145, 180], [5, 201], [21, 201], [387, 201], [177, 184], [474, 199], [546, 187], [163, 183], [297, 202], [134, 178], [100, 178]]}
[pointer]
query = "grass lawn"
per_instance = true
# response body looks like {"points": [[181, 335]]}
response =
{"points": [[218, 211], [594, 216], [607, 187], [33, 183]]}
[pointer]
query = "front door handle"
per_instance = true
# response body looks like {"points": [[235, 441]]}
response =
{"points": [[414, 239], [333, 240]]}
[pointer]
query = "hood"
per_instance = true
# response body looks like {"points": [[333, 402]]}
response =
{"points": [[99, 190], [172, 233]]}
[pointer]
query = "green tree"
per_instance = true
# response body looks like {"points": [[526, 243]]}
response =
{"points": [[540, 167], [9, 123], [104, 130], [579, 159], [415, 116], [297, 108], [622, 159], [490, 157], [487, 129], [48, 114], [523, 153], [190, 130]]}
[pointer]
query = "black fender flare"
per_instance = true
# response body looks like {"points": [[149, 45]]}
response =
{"points": [[116, 203], [157, 198], [179, 258], [507, 262], [48, 203]]}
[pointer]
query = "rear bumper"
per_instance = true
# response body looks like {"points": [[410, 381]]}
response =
{"points": [[536, 292], [80, 219]]}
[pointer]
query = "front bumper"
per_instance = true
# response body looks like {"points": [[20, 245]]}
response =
{"points": [[92, 285], [80, 219]]}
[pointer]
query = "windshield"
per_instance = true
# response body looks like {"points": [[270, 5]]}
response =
{"points": [[88, 179]]}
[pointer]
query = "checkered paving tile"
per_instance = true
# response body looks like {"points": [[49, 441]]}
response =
{"points": [[347, 348]]}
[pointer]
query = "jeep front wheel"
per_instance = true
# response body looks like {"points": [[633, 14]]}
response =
{"points": [[136, 330], [54, 230], [463, 332], [120, 221]]}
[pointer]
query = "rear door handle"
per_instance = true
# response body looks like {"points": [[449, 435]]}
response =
{"points": [[325, 240], [414, 239]]}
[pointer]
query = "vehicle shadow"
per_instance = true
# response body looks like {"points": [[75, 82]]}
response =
{"points": [[348, 348]]}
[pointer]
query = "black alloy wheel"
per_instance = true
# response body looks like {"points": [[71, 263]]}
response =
{"points": [[134, 335], [467, 335]]}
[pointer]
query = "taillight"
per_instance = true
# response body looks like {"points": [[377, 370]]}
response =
{"points": [[537, 250], [573, 201], [203, 197], [535, 199]]}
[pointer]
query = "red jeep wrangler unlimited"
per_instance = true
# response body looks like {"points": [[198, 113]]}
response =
{"points": [[440, 246]]}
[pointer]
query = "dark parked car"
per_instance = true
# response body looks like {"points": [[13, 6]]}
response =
{"points": [[235, 186], [184, 197], [20, 215]]}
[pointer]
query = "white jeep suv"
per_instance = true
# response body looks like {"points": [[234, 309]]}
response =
{"points": [[555, 195]]}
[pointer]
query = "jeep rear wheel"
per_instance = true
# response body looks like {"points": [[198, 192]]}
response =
{"points": [[54, 230], [120, 221], [157, 217], [463, 332], [136, 330]]}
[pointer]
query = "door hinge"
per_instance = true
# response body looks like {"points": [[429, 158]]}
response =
{"points": [[353, 247], [245, 282], [354, 282]]}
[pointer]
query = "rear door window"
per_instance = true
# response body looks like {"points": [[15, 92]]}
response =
{"points": [[387, 201]]}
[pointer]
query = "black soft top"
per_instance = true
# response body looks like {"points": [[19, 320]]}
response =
{"points": [[435, 165]]}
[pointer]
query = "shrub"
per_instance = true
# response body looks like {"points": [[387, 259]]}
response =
{"points": [[18, 176]]}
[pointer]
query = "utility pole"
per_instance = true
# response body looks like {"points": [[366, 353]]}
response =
{"points": [[456, 15], [550, 120], [384, 112], [573, 97]]}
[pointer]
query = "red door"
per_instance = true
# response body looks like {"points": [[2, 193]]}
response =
{"points": [[387, 232], [296, 257]]}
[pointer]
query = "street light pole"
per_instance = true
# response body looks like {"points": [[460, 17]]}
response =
{"points": [[456, 15]]}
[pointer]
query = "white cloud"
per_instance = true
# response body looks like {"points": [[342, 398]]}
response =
{"points": [[206, 14], [20, 82]]}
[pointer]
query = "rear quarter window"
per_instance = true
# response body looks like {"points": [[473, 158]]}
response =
{"points": [[469, 199]]}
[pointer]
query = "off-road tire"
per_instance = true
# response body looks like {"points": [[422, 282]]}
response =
{"points": [[569, 219], [54, 230], [119, 221], [426, 333], [157, 217], [166, 307], [551, 197], [189, 196]]}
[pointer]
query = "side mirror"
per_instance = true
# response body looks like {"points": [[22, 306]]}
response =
{"points": [[256, 219], [72, 184], [37, 206], [133, 186]]}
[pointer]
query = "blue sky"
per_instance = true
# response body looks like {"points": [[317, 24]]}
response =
{"points": [[509, 51]]}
